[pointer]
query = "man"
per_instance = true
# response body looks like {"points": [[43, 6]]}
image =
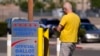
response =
{"points": [[68, 27]]}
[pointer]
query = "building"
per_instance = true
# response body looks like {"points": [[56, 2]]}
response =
{"points": [[83, 4]]}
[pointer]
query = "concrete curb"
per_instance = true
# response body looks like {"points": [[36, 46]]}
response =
{"points": [[3, 38], [54, 44], [79, 47]]}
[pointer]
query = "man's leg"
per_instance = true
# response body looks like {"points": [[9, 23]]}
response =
{"points": [[67, 49]]}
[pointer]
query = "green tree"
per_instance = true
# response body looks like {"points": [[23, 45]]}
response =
{"points": [[24, 6], [52, 6], [95, 3], [38, 5]]}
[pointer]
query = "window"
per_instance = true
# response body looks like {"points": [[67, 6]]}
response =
{"points": [[88, 27]]}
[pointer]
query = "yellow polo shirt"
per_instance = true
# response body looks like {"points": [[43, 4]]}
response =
{"points": [[71, 23]]}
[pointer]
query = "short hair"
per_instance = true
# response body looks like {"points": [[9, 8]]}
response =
{"points": [[67, 5]]}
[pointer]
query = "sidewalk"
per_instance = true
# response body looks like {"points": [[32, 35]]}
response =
{"points": [[3, 38], [3, 54]]}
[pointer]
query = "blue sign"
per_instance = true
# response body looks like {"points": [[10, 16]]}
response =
{"points": [[24, 29], [24, 38], [24, 47]]}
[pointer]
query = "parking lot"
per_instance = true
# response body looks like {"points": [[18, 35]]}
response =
{"points": [[83, 49]]}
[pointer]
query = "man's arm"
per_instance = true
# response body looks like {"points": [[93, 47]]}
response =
{"points": [[62, 23], [59, 28]]}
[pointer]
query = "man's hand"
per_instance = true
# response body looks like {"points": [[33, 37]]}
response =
{"points": [[59, 28]]}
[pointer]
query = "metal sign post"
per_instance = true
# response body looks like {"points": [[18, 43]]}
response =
{"points": [[30, 10]]}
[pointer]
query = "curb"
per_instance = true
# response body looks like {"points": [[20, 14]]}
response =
{"points": [[54, 44], [79, 47], [3, 38]]}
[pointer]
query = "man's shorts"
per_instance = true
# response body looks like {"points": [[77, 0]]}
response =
{"points": [[66, 49]]}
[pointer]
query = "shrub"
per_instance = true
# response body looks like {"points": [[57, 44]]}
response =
{"points": [[82, 32], [37, 6], [52, 6], [3, 28], [24, 6]]}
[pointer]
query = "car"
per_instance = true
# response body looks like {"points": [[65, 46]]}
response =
{"points": [[92, 33], [93, 12], [85, 20], [44, 23], [9, 22]]}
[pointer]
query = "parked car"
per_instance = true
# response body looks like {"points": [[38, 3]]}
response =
{"points": [[9, 22], [94, 12], [85, 20], [92, 33], [44, 23]]}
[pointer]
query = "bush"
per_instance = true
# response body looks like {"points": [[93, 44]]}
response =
{"points": [[82, 32], [52, 6], [3, 28], [24, 6], [2, 3], [37, 6]]}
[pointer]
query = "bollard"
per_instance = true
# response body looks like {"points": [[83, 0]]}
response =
{"points": [[40, 41], [46, 42], [43, 42], [8, 44], [58, 47]]}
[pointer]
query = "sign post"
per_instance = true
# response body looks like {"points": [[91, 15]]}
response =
{"points": [[8, 44], [30, 10]]}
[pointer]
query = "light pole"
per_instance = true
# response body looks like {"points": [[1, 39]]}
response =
{"points": [[30, 10]]}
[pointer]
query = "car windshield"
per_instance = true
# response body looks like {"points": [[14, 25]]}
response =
{"points": [[84, 20], [88, 27]]}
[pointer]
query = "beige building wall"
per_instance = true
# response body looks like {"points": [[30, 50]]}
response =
{"points": [[83, 4]]}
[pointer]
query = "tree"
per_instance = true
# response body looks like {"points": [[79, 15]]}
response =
{"points": [[24, 6], [52, 6], [38, 5], [95, 3]]}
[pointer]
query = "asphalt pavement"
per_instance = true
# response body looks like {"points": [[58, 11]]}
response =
{"points": [[87, 49], [3, 46]]}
